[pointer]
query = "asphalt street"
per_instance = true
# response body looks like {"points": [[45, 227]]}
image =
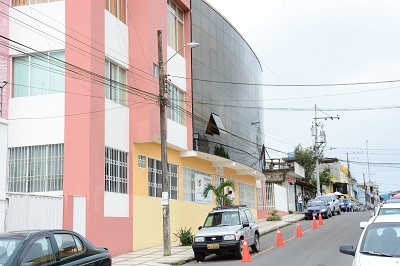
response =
{"points": [[317, 247]]}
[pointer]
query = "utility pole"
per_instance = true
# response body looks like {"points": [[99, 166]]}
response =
{"points": [[164, 161], [318, 144], [316, 152]]}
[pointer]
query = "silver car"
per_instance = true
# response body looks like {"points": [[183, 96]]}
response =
{"points": [[333, 202], [224, 231]]}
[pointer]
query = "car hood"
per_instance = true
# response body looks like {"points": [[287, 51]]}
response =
{"points": [[219, 230], [366, 260]]}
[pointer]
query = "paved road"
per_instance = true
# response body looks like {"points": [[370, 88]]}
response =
{"points": [[317, 247]]}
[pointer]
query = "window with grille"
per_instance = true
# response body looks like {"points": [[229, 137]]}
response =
{"points": [[31, 2], [246, 195], [36, 168], [175, 27], [116, 171], [189, 183], [155, 179], [39, 74], [115, 83], [117, 8], [176, 106], [141, 161]]}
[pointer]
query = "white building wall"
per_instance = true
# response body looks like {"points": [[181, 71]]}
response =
{"points": [[116, 137], [39, 26], [37, 120], [176, 135], [281, 202], [176, 67], [116, 40], [3, 171]]}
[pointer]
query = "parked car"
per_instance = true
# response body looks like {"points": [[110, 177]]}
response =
{"points": [[349, 206], [378, 244], [50, 247], [224, 231], [333, 202], [383, 209], [316, 207]]}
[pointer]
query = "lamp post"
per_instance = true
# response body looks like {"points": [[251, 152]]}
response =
{"points": [[163, 135]]}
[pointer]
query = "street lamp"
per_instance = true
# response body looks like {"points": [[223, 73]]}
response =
{"points": [[163, 135]]}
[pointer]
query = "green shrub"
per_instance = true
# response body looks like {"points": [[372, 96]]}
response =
{"points": [[274, 216], [185, 236]]}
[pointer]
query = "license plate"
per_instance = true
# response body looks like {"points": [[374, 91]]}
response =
{"points": [[314, 214], [212, 246]]}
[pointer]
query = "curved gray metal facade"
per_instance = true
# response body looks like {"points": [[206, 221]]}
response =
{"points": [[222, 67]]}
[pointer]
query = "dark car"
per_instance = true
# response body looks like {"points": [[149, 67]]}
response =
{"points": [[316, 207], [50, 247]]}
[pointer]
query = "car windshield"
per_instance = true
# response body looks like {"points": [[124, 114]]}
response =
{"points": [[315, 203], [382, 239], [222, 219], [388, 211], [325, 198], [7, 247]]}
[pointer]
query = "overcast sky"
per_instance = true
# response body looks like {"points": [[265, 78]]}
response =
{"points": [[329, 42]]}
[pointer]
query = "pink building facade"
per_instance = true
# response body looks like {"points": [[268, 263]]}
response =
{"points": [[82, 88]]}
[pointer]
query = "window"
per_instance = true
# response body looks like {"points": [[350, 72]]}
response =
{"points": [[117, 8], [31, 2], [68, 245], [39, 74], [39, 253], [36, 168], [189, 183], [141, 161], [155, 179], [176, 106], [246, 195], [115, 83], [116, 171], [175, 27]]}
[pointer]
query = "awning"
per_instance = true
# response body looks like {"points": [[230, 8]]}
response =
{"points": [[215, 125]]}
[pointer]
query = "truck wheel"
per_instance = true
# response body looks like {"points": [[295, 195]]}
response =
{"points": [[256, 246]]}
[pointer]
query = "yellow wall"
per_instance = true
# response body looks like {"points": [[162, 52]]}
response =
{"points": [[147, 211]]}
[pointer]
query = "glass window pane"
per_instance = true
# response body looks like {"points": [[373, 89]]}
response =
{"points": [[21, 76], [57, 72], [39, 75], [122, 11]]}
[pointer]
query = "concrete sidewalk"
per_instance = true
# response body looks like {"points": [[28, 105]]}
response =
{"points": [[182, 254]]}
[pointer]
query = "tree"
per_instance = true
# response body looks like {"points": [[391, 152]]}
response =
{"points": [[219, 192], [220, 151], [324, 178], [306, 158]]}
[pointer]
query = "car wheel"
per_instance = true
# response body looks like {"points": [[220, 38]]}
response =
{"points": [[333, 213], [256, 246], [339, 212], [238, 253], [199, 256]]}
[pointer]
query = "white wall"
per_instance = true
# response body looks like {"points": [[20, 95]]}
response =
{"points": [[281, 202], [176, 135], [116, 40], [116, 205], [176, 66], [28, 31], [116, 126], [36, 120], [117, 137], [3, 171]]}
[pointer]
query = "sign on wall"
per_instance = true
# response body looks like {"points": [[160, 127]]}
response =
{"points": [[201, 182]]}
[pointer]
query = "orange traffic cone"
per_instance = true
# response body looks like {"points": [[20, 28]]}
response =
{"points": [[245, 252], [314, 223], [299, 232], [279, 239], [320, 221]]}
